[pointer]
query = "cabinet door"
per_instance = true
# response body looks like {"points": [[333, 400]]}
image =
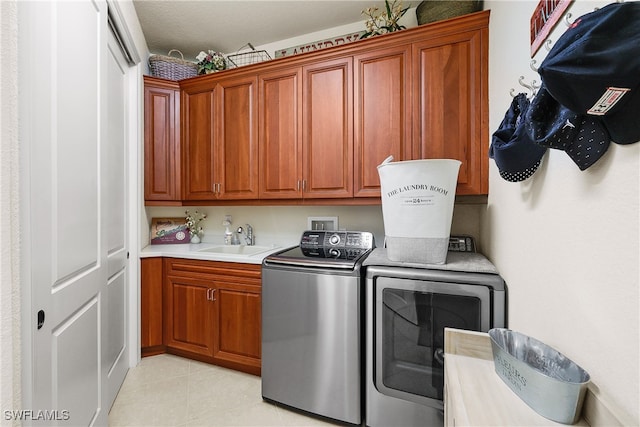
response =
{"points": [[450, 105], [236, 121], [151, 274], [280, 133], [198, 145], [161, 140], [381, 114], [189, 315], [328, 129], [238, 326]]}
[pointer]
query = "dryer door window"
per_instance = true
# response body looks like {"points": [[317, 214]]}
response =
{"points": [[410, 334]]}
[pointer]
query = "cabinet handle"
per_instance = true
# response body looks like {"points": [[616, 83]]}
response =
{"points": [[304, 185], [213, 294]]}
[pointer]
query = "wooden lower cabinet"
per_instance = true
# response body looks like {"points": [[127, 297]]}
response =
{"points": [[151, 274], [188, 315], [212, 312], [237, 325]]}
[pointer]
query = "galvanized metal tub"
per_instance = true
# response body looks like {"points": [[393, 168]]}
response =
{"points": [[545, 379]]}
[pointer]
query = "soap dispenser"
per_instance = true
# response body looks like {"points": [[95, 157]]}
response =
{"points": [[228, 235]]}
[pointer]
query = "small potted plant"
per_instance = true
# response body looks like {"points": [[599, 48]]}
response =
{"points": [[193, 224], [384, 22], [210, 62]]}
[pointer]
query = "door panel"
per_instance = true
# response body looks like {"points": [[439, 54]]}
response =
{"points": [[162, 143], [188, 316], [328, 129], [116, 333], [237, 138], [198, 154], [76, 222], [238, 324], [115, 184], [76, 376], [68, 248], [280, 134], [448, 105], [151, 275], [381, 114]]}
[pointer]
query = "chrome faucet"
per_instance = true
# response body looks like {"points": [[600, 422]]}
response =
{"points": [[248, 236]]}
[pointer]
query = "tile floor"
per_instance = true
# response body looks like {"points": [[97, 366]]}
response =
{"points": [[167, 390]]}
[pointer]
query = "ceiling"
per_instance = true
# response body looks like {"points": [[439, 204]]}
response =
{"points": [[227, 26]]}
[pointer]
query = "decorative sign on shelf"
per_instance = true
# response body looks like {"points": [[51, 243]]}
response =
{"points": [[169, 231], [545, 16], [320, 44]]}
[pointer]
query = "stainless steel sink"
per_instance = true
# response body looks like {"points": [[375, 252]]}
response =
{"points": [[237, 250]]}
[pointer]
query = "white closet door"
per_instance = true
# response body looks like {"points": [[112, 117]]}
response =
{"points": [[115, 195], [64, 128]]}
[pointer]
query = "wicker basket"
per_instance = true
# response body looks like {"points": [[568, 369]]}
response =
{"points": [[247, 58], [172, 68], [433, 10]]}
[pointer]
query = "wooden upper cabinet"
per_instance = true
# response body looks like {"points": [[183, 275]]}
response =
{"points": [[382, 83], [314, 127], [161, 140], [450, 104], [236, 141], [327, 129], [220, 140], [198, 144], [280, 134]]}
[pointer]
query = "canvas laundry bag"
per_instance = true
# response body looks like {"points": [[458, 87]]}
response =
{"points": [[417, 208]]}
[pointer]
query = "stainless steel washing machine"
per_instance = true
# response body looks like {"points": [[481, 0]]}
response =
{"points": [[312, 325], [408, 307]]}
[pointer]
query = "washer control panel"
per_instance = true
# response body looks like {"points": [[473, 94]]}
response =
{"points": [[337, 244]]}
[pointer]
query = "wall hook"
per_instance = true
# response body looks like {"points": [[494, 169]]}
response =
{"points": [[532, 64], [523, 84], [547, 44], [567, 18], [535, 87], [532, 88]]}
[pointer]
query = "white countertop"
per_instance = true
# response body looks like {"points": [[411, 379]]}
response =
{"points": [[197, 251]]}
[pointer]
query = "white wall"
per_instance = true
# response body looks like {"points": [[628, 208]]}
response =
{"points": [[10, 392], [566, 241]]}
